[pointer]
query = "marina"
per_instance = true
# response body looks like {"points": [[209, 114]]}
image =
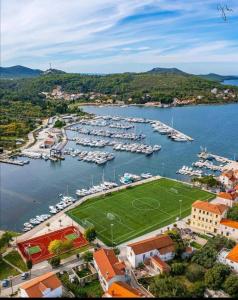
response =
{"points": [[37, 186]]}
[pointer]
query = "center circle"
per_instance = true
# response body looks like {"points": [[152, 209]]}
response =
{"points": [[145, 204]]}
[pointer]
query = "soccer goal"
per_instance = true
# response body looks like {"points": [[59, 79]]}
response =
{"points": [[173, 190], [110, 216]]}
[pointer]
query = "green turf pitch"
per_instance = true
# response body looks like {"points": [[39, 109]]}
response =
{"points": [[137, 210], [71, 236], [34, 250]]}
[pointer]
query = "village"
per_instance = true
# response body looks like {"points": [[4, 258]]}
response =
{"points": [[86, 266]]}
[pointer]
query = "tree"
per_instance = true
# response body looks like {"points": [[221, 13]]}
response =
{"points": [[167, 287], [60, 221], [197, 290], [216, 275], [179, 244], [206, 256], [231, 285], [56, 247], [233, 213], [90, 234], [67, 245], [177, 268], [55, 262], [29, 265], [87, 256], [194, 272]]}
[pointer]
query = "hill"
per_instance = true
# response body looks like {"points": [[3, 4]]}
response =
{"points": [[19, 72], [167, 71], [217, 77]]}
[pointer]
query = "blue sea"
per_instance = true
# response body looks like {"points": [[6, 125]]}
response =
{"points": [[28, 191]]}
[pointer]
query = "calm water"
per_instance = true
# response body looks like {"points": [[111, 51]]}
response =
{"points": [[28, 191], [231, 82]]}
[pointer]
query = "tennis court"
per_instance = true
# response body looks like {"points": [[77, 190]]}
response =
{"points": [[36, 249]]}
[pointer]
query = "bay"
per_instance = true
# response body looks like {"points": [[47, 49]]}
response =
{"points": [[28, 191]]}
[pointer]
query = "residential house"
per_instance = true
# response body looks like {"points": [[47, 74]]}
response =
{"points": [[122, 290], [109, 268], [159, 265], [229, 258], [229, 178], [226, 198], [161, 246], [44, 286], [206, 217], [229, 228]]}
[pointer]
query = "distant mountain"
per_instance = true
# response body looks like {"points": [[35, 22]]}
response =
{"points": [[167, 71], [19, 72], [217, 77]]}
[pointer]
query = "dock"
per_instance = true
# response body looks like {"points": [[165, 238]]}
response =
{"points": [[12, 162]]}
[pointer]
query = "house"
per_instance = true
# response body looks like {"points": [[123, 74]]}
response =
{"points": [[161, 246], [159, 265], [229, 228], [229, 178], [122, 290], [226, 198], [109, 268], [229, 258], [44, 286], [206, 217]]}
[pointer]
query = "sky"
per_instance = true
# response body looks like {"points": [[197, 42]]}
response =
{"points": [[111, 36]]}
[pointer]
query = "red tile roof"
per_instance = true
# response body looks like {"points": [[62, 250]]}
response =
{"points": [[108, 263], [229, 196], [35, 287], [218, 209], [163, 243], [233, 254], [163, 266], [229, 223], [123, 290]]}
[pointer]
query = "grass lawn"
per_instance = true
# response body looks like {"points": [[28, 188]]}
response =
{"points": [[6, 270], [93, 289], [137, 210], [74, 251], [195, 245], [14, 258]]}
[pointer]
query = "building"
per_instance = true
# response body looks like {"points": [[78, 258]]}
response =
{"points": [[45, 286], [229, 228], [229, 258], [109, 268], [229, 178], [122, 290], [158, 265], [161, 246], [206, 217], [226, 198]]}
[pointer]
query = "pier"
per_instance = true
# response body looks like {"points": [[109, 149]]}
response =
{"points": [[12, 162]]}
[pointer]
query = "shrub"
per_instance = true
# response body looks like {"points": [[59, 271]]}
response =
{"points": [[55, 262], [194, 272], [231, 285], [215, 276], [177, 268]]}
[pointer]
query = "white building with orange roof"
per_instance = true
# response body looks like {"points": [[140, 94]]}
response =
{"points": [[230, 258], [109, 268], [161, 246], [229, 178], [229, 228], [226, 198], [44, 286], [123, 290], [206, 217]]}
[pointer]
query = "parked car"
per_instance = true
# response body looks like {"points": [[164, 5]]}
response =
{"points": [[5, 283], [25, 275]]}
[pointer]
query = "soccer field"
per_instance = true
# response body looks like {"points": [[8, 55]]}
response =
{"points": [[137, 210]]}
